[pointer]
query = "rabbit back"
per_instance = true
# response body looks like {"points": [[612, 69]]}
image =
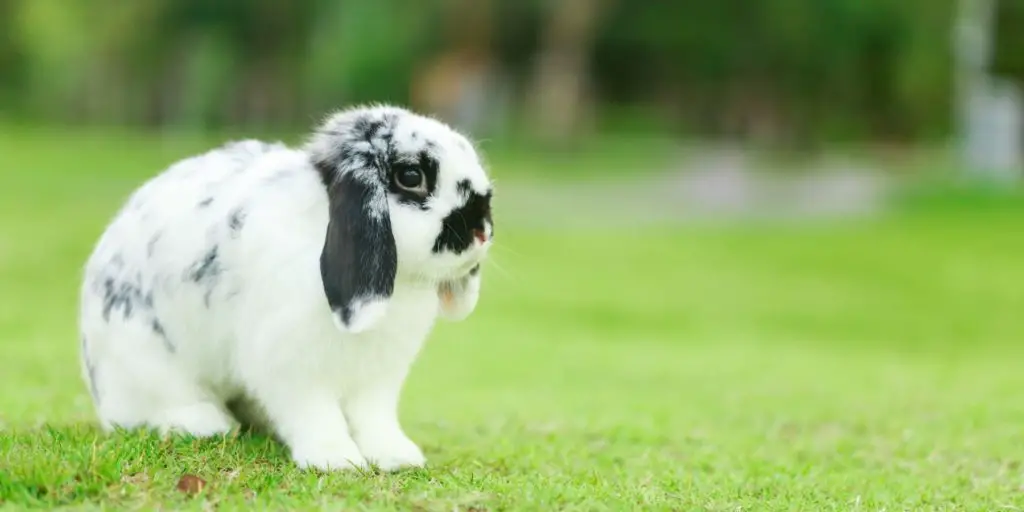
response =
{"points": [[163, 288]]}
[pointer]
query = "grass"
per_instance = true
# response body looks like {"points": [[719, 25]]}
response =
{"points": [[862, 365]]}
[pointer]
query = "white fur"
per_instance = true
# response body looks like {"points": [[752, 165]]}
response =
{"points": [[264, 331]]}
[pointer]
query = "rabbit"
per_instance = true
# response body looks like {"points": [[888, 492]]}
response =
{"points": [[288, 288]]}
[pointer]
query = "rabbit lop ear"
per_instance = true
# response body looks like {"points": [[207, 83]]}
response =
{"points": [[359, 259], [458, 298]]}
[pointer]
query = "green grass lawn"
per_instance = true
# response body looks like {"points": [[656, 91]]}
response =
{"points": [[870, 365]]}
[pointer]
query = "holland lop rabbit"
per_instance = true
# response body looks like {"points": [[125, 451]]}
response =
{"points": [[288, 288]]}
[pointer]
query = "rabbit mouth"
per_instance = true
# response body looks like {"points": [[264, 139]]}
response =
{"points": [[471, 268], [472, 265]]}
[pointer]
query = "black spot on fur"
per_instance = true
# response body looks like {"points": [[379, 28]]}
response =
{"points": [[205, 202], [457, 228], [368, 128], [205, 272], [207, 268], [121, 295], [236, 220], [352, 158], [475, 270], [158, 329], [372, 129]]}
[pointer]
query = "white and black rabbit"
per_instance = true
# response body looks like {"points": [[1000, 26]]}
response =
{"points": [[288, 288]]}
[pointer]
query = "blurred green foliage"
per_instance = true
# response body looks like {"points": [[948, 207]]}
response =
{"points": [[819, 68]]}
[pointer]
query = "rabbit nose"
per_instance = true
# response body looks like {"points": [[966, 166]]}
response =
{"points": [[480, 235]]}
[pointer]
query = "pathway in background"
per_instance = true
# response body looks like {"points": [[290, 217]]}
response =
{"points": [[715, 186]]}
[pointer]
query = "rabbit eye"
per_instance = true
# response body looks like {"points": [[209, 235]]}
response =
{"points": [[411, 179]]}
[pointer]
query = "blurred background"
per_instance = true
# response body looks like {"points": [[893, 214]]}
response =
{"points": [[795, 76], [638, 87], [665, 170], [792, 74]]}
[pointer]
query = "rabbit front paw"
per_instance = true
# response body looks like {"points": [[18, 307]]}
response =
{"points": [[391, 451], [331, 456]]}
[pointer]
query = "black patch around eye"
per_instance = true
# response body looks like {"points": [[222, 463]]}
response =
{"points": [[410, 177], [424, 163]]}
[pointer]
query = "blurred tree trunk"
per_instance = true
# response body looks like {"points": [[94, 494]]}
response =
{"points": [[992, 114], [1008, 44], [558, 97], [460, 83]]}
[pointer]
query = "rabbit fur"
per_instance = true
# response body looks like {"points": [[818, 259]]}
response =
{"points": [[288, 288]]}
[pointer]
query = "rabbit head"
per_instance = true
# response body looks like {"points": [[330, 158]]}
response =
{"points": [[409, 200]]}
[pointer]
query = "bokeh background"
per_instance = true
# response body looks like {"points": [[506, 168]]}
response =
{"points": [[794, 73], [770, 235], [630, 87]]}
